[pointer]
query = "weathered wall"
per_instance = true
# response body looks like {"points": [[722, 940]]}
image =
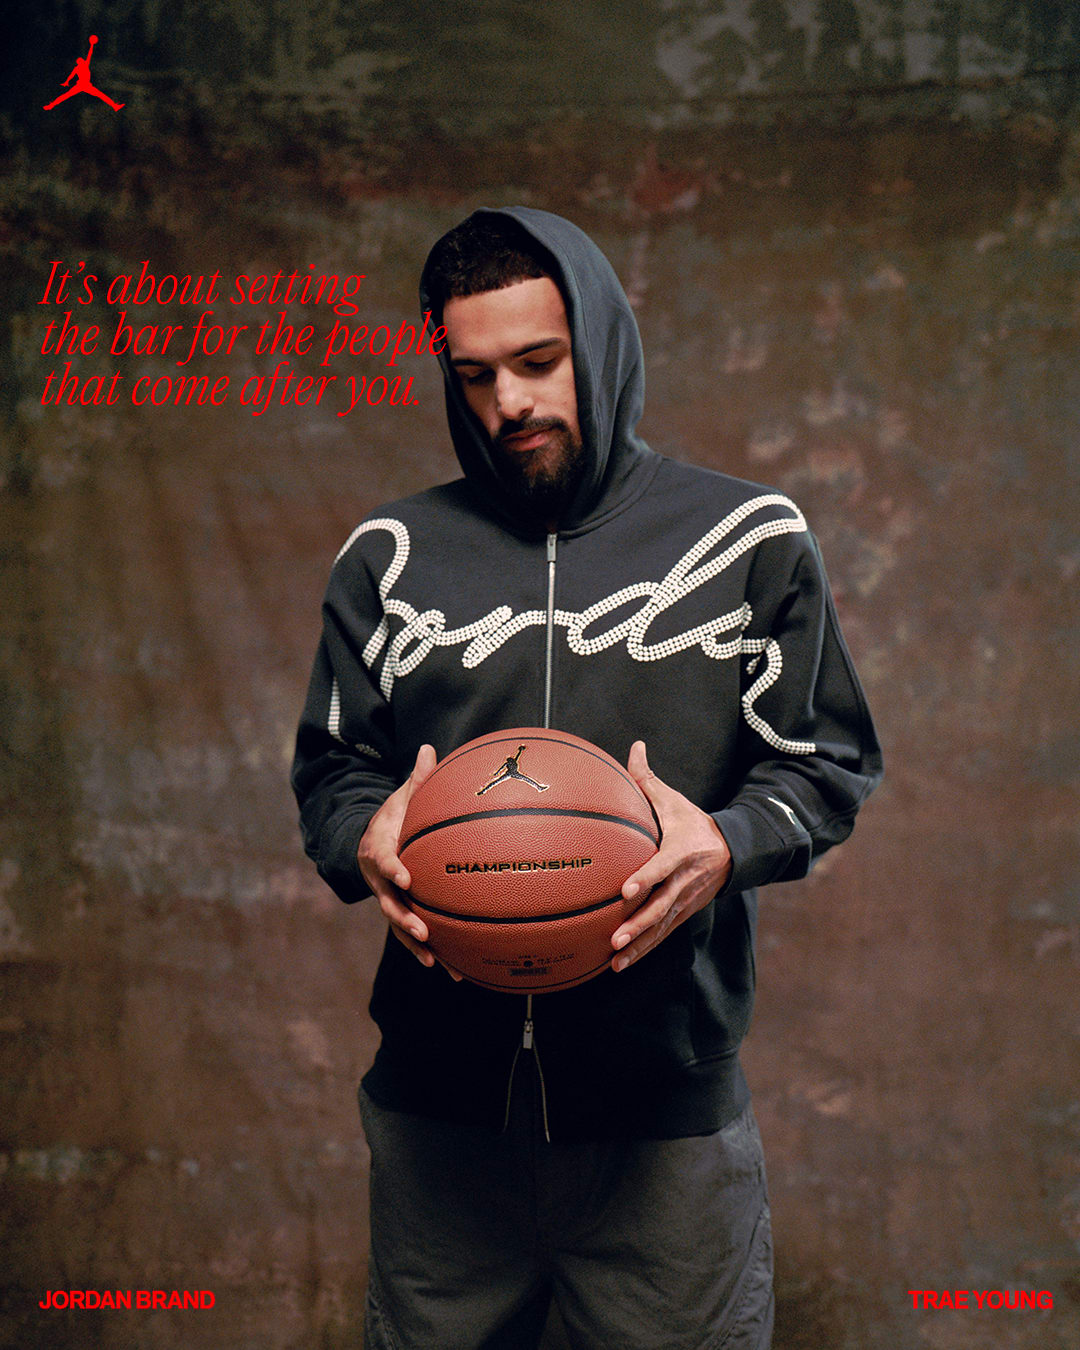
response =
{"points": [[851, 233]]}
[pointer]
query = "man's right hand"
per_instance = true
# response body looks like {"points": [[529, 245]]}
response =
{"points": [[384, 871]]}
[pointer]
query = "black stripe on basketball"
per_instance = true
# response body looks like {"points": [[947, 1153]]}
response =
{"points": [[548, 920], [548, 988], [554, 739], [532, 811]]}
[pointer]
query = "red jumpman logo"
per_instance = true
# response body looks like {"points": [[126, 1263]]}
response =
{"points": [[83, 83]]}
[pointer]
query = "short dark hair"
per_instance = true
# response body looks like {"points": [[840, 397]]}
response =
{"points": [[486, 252]]}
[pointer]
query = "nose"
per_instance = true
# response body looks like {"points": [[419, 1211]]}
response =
{"points": [[513, 397]]}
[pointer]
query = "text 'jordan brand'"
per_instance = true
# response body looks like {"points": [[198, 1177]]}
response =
{"points": [[80, 73], [509, 769]]}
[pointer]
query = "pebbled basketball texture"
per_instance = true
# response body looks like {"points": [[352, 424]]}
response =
{"points": [[518, 845]]}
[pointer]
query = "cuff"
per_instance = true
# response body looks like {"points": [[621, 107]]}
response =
{"points": [[339, 865], [763, 844]]}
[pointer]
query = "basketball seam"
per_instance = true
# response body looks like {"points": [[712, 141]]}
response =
{"points": [[604, 759], [556, 916], [496, 812], [543, 989]]}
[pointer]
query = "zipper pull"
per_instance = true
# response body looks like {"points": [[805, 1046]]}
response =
{"points": [[527, 1044]]}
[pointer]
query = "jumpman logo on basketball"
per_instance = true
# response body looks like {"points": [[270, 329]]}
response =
{"points": [[509, 769], [83, 84]]}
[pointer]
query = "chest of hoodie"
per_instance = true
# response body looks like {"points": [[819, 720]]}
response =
{"points": [[616, 633]]}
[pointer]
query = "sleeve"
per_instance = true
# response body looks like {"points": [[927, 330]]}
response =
{"points": [[345, 765], [809, 752]]}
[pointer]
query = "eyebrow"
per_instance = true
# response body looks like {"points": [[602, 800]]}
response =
{"points": [[521, 351]]}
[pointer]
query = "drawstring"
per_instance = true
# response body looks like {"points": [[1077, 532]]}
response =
{"points": [[528, 1042]]}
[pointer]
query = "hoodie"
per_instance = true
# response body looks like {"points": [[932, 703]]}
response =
{"points": [[675, 605]]}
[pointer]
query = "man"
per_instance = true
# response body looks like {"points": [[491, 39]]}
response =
{"points": [[597, 1143]]}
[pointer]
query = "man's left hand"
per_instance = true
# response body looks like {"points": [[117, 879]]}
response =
{"points": [[692, 864]]}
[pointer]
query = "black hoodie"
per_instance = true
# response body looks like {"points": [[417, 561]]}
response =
{"points": [[675, 605]]}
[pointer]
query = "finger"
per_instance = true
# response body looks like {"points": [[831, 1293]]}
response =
{"points": [[426, 759], [386, 858], [654, 787], [637, 762], [637, 765], [383, 870], [422, 953], [649, 875], [645, 917], [407, 936], [635, 952], [650, 936], [403, 918], [387, 870]]}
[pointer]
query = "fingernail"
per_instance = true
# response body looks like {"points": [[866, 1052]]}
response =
{"points": [[630, 891], [621, 941], [622, 962]]}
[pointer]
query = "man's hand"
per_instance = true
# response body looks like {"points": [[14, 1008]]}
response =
{"points": [[384, 871], [693, 863]]}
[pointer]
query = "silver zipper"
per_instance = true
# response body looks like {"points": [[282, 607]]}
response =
{"points": [[527, 1032], [550, 627]]}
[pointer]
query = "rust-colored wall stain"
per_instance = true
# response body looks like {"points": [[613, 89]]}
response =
{"points": [[852, 246]]}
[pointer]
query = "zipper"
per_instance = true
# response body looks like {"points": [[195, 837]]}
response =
{"points": [[528, 1042], [550, 640], [527, 1030], [528, 1038]]}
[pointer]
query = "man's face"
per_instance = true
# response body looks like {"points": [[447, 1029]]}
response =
{"points": [[511, 350]]}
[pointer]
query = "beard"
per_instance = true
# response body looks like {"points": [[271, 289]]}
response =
{"points": [[541, 482]]}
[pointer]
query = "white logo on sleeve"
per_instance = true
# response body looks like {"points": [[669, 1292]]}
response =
{"points": [[787, 812]]}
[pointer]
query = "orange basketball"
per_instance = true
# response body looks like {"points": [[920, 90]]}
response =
{"points": [[518, 845]]}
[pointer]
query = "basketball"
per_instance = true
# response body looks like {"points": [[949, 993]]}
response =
{"points": [[518, 845]]}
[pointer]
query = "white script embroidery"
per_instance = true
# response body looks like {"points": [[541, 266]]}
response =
{"points": [[722, 638]]}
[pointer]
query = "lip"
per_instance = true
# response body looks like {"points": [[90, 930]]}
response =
{"points": [[523, 441]]}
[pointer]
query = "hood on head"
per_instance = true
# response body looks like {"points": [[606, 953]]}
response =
{"points": [[609, 376]]}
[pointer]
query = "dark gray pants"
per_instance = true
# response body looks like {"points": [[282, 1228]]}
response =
{"points": [[644, 1244]]}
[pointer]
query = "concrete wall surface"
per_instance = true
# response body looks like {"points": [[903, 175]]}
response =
{"points": [[851, 232]]}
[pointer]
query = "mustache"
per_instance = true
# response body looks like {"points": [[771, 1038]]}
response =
{"points": [[527, 425]]}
